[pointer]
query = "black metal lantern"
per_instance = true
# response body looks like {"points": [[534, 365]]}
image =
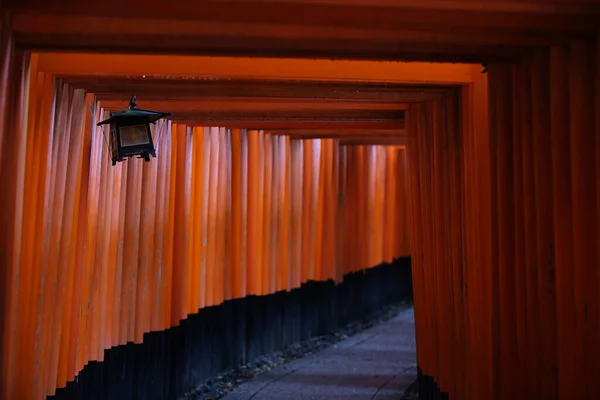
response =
{"points": [[130, 133]]}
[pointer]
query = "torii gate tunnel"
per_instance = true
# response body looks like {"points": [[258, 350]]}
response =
{"points": [[321, 159]]}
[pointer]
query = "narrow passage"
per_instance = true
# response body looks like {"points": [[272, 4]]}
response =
{"points": [[376, 364]]}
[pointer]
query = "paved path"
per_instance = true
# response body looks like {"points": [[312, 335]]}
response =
{"points": [[376, 364]]}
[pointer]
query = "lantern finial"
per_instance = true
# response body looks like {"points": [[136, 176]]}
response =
{"points": [[133, 102]]}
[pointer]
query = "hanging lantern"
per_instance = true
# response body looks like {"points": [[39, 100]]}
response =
{"points": [[130, 133]]}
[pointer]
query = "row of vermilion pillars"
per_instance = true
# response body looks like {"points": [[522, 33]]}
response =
{"points": [[505, 215], [95, 256]]}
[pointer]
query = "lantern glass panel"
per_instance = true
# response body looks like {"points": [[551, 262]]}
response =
{"points": [[134, 135], [113, 141]]}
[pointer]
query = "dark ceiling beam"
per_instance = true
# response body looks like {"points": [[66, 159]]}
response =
{"points": [[380, 141], [354, 132], [297, 30], [263, 105], [161, 89], [188, 30], [300, 123], [373, 136], [376, 45], [577, 18], [527, 6], [350, 49], [371, 116], [359, 135], [224, 110]]}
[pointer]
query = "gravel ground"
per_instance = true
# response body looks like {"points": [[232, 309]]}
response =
{"points": [[219, 386]]}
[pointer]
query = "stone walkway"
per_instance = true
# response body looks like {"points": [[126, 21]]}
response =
{"points": [[376, 364]]}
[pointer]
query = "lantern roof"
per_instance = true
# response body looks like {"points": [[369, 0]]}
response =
{"points": [[134, 115]]}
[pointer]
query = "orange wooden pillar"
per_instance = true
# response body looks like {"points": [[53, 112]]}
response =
{"points": [[477, 233], [223, 223], [569, 348], [582, 67], [15, 70], [7, 84], [297, 207], [254, 272], [197, 220], [414, 127], [266, 206], [391, 202], [333, 189], [237, 233], [285, 271], [503, 222]]}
